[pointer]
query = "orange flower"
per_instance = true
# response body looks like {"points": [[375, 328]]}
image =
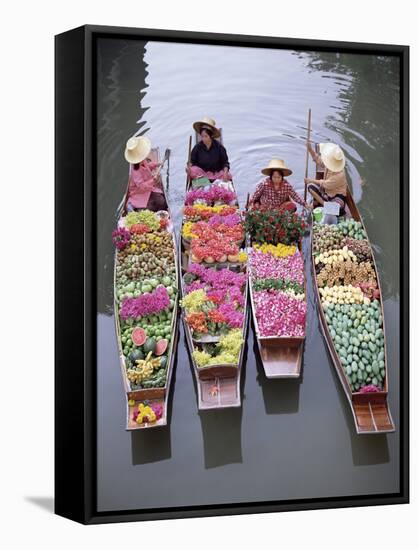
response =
{"points": [[197, 322]]}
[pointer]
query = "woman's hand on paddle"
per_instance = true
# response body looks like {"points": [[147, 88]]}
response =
{"points": [[307, 181]]}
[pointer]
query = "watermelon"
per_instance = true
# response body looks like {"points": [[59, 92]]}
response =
{"points": [[161, 346], [149, 345], [163, 361], [138, 336], [136, 355]]}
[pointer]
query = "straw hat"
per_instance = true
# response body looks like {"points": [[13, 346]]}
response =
{"points": [[276, 164], [332, 156], [206, 122], [137, 149]]}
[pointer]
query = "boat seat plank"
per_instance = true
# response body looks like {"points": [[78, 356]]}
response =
{"points": [[373, 418], [280, 362], [219, 392]]}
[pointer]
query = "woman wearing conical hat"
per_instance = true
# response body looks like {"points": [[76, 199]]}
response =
{"points": [[274, 192], [333, 186], [209, 157], [145, 188]]}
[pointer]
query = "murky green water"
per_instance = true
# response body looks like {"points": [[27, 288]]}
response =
{"points": [[290, 439]]}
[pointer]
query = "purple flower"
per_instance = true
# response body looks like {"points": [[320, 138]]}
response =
{"points": [[121, 238], [146, 304]]}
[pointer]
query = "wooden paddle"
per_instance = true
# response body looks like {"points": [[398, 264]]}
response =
{"points": [[167, 153], [307, 153], [188, 179], [310, 212]]}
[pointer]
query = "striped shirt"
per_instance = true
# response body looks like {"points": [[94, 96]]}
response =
{"points": [[267, 196]]}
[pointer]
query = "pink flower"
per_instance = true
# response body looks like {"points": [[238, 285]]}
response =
{"points": [[278, 314], [146, 304], [370, 388], [266, 266], [234, 317], [215, 194], [121, 238]]}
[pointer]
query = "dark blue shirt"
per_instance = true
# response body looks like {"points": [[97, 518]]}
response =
{"points": [[213, 159]]}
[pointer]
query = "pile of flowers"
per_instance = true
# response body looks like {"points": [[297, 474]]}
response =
{"points": [[273, 226], [211, 230], [203, 212], [266, 266], [121, 238], [145, 412], [279, 314], [215, 232], [214, 300], [145, 304], [215, 194], [277, 272], [225, 352], [278, 251]]}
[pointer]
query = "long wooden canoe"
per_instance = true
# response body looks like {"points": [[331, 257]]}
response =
{"points": [[218, 386], [281, 356], [151, 396], [370, 411]]}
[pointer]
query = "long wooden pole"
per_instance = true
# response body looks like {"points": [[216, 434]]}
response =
{"points": [[308, 141], [188, 179]]}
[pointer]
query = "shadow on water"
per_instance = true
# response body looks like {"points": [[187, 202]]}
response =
{"points": [[281, 396], [367, 449], [221, 429], [155, 444], [151, 445]]}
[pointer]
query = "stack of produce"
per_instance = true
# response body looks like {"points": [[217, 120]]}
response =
{"points": [[350, 298], [145, 291], [277, 272], [213, 226], [357, 333]]}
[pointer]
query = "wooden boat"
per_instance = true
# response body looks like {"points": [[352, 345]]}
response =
{"points": [[281, 356], [152, 396], [370, 411], [218, 386]]}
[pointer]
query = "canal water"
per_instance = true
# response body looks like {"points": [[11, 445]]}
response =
{"points": [[290, 439]]}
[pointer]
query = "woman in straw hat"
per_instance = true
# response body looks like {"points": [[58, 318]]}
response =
{"points": [[209, 157], [333, 186], [275, 192], [145, 188]]}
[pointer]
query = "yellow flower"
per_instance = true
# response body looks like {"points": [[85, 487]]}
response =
{"points": [[242, 256], [279, 251], [193, 301], [187, 230], [131, 402]]}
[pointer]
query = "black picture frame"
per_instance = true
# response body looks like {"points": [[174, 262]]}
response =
{"points": [[75, 268]]}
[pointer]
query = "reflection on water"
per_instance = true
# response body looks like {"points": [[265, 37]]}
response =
{"points": [[290, 439]]}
